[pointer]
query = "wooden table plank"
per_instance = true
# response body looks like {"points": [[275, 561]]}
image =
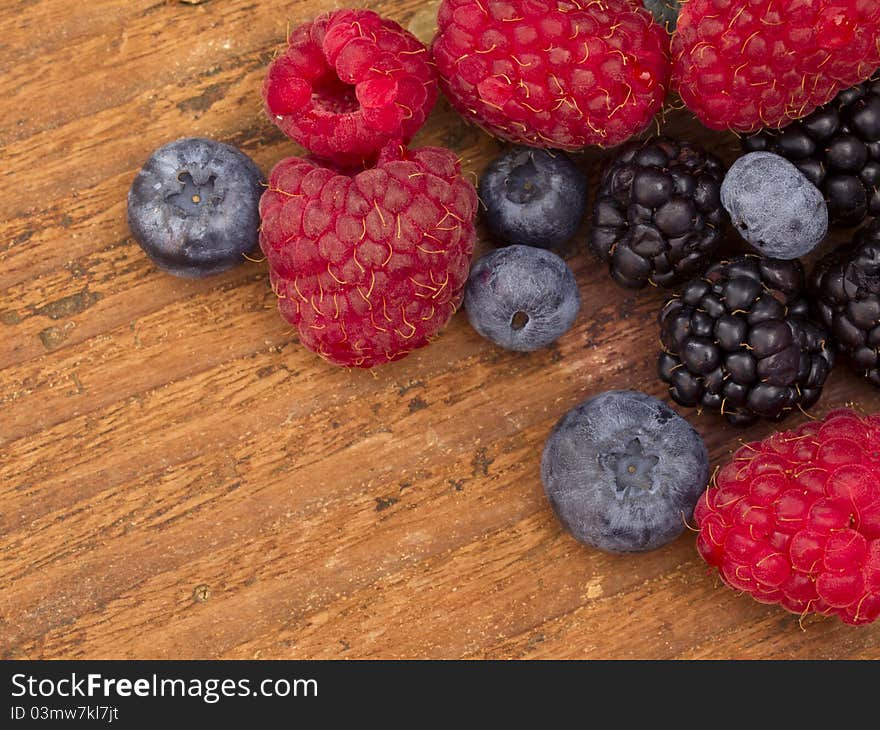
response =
{"points": [[180, 479]]}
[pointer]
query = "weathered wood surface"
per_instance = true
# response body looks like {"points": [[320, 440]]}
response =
{"points": [[178, 478]]}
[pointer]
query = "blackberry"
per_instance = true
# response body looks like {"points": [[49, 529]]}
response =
{"points": [[845, 288], [658, 215], [838, 148], [739, 341]]}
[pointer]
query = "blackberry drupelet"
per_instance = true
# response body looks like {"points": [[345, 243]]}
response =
{"points": [[838, 148], [739, 341], [845, 289], [658, 216]]}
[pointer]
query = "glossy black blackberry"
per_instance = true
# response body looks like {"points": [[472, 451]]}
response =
{"points": [[845, 289], [658, 216], [739, 341], [838, 148]]}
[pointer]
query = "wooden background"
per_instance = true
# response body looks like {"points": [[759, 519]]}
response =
{"points": [[180, 479]]}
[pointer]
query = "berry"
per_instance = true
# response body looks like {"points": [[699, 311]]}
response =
{"points": [[193, 207], [348, 83], [533, 197], [773, 206], [369, 266], [846, 296], [521, 298], [562, 74], [748, 64], [658, 216], [665, 12], [795, 519], [739, 341], [838, 148], [623, 472]]}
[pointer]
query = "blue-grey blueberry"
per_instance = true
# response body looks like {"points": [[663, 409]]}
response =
{"points": [[194, 207], [533, 197], [774, 206], [521, 298], [623, 471]]}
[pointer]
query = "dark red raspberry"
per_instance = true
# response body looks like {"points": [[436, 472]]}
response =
{"points": [[349, 83], [795, 519], [748, 64], [553, 73], [369, 266]]}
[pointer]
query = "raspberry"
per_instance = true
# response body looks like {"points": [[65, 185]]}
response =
{"points": [[369, 266], [795, 519], [349, 83], [547, 73], [748, 64]]}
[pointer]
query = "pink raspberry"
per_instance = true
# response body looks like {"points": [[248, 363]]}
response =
{"points": [[349, 83], [795, 519], [548, 73], [748, 64], [369, 266]]}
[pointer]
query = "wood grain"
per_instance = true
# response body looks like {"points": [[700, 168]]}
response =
{"points": [[180, 479]]}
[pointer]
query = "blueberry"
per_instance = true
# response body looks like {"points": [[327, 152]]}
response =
{"points": [[521, 298], [623, 472], [533, 197], [774, 206], [194, 207]]}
